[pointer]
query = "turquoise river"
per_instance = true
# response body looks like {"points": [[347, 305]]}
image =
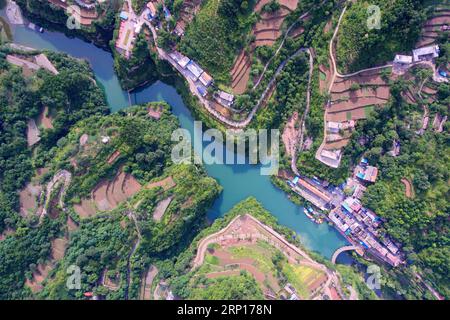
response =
{"points": [[238, 181]]}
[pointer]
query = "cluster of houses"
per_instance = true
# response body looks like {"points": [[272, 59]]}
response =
{"points": [[202, 80], [131, 26], [312, 191], [193, 71], [403, 62], [334, 133], [359, 225], [128, 30]]}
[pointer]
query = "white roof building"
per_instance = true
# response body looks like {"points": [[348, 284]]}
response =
{"points": [[333, 155], [194, 69], [426, 53], [226, 96], [333, 126], [402, 59]]}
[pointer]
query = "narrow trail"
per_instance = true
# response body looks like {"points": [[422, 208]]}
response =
{"points": [[299, 140], [128, 276], [62, 175], [279, 48]]}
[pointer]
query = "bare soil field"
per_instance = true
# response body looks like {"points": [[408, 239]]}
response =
{"points": [[290, 134], [108, 194], [113, 157], [28, 199], [161, 207], [86, 208], [336, 144], [408, 187], [166, 184], [71, 225], [355, 114], [345, 85], [240, 73], [381, 92], [147, 282], [432, 27], [221, 109], [324, 78], [355, 104], [32, 133], [45, 120]]}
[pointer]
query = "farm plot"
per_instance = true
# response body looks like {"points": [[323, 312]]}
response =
{"points": [[266, 31], [290, 134], [353, 98], [108, 194], [33, 133], [247, 244], [147, 282], [58, 247], [188, 10], [433, 27]]}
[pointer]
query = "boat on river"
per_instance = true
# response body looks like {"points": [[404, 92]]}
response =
{"points": [[313, 215]]}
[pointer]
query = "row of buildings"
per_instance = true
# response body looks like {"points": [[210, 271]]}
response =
{"points": [[201, 78], [421, 54], [359, 225]]}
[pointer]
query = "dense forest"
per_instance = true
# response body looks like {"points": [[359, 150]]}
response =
{"points": [[395, 31], [70, 96], [216, 33], [53, 17]]}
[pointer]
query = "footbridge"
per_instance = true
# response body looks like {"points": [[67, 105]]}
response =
{"points": [[345, 248]]}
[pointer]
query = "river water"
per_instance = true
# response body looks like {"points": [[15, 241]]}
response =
{"points": [[238, 181]]}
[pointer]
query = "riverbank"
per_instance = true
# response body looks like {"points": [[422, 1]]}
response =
{"points": [[238, 181]]}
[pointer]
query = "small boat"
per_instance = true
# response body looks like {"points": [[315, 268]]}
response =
{"points": [[313, 215], [34, 27], [309, 215]]}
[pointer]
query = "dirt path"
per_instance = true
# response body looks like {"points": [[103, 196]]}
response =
{"points": [[64, 175], [299, 142], [279, 48], [408, 187], [128, 275]]}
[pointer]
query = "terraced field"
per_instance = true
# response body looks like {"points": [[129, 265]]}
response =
{"points": [[266, 31], [108, 194], [247, 244], [434, 26]]}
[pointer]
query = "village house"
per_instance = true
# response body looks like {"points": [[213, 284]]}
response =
{"points": [[224, 98], [403, 59], [195, 70], [332, 154], [314, 194], [426, 53], [151, 11], [333, 127], [206, 79]]}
